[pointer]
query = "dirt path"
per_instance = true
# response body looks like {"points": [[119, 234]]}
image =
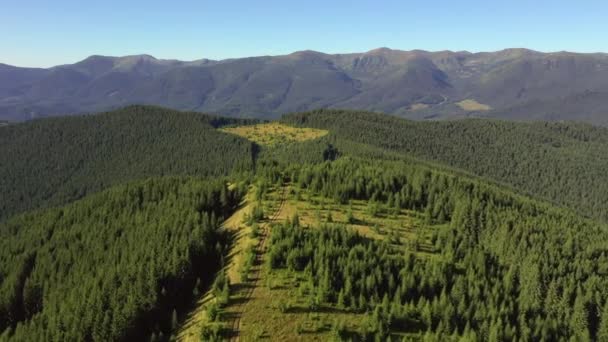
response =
{"points": [[254, 275], [189, 331]]}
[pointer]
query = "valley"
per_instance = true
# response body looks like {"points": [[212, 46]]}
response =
{"points": [[238, 171]]}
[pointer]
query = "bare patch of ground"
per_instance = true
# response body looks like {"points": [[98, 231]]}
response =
{"points": [[471, 105]]}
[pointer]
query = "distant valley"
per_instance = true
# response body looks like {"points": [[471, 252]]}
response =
{"points": [[515, 84]]}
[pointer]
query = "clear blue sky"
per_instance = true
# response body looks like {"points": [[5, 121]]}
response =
{"points": [[44, 33]]}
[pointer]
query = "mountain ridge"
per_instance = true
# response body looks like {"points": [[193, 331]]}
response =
{"points": [[516, 83]]}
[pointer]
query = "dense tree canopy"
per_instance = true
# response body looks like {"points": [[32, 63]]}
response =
{"points": [[509, 268], [57, 160], [113, 266], [561, 162], [123, 263]]}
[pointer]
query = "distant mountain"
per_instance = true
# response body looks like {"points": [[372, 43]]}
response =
{"points": [[512, 84]]}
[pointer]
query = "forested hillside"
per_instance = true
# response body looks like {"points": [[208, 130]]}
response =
{"points": [[377, 230], [54, 161], [506, 267], [118, 265], [561, 162]]}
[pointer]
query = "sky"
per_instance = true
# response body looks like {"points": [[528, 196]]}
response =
{"points": [[43, 33]]}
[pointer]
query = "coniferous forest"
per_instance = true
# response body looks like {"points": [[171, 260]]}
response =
{"points": [[114, 266], [559, 161], [507, 268], [55, 161], [120, 226]]}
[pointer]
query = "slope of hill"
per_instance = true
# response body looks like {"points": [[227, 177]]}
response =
{"points": [[360, 233], [390, 250], [54, 161], [57, 160], [119, 265], [587, 106], [561, 162], [416, 84]]}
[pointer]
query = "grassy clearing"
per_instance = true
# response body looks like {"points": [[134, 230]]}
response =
{"points": [[279, 312], [190, 330], [278, 309], [471, 105], [403, 228], [419, 106], [272, 304], [274, 133]]}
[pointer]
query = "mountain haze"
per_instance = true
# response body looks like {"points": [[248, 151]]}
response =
{"points": [[512, 84]]}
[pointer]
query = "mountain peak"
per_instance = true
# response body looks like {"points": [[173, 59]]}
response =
{"points": [[517, 52], [306, 53], [382, 49], [97, 58], [142, 56]]}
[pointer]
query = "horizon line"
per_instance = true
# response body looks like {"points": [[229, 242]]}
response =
{"points": [[312, 51]]}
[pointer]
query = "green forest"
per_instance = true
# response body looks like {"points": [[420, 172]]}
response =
{"points": [[508, 268], [115, 226], [114, 266], [560, 162], [57, 160]]}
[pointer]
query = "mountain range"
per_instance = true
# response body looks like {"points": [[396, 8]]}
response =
{"points": [[514, 84]]}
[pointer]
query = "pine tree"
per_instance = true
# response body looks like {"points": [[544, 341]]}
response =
{"points": [[340, 302], [330, 218], [426, 315], [174, 321], [350, 218], [578, 321], [362, 302], [602, 332]]}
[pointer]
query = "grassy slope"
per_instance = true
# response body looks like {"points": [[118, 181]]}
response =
{"points": [[189, 330], [275, 133], [472, 105], [264, 315], [121, 245]]}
